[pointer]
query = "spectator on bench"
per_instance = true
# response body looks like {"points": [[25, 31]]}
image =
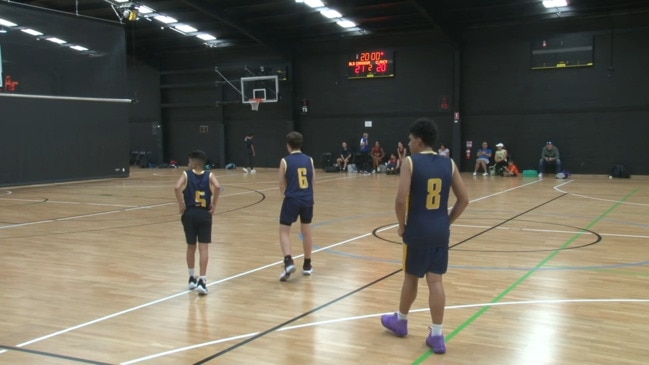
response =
{"points": [[549, 156], [344, 157]]}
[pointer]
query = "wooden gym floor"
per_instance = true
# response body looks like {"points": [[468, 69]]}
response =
{"points": [[541, 272]]}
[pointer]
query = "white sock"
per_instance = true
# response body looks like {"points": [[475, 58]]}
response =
{"points": [[402, 316], [191, 272], [436, 329], [204, 278]]}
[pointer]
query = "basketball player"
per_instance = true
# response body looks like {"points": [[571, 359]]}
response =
{"points": [[421, 207], [296, 179], [197, 191]]}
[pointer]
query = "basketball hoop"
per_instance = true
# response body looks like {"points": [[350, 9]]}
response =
{"points": [[254, 103]]}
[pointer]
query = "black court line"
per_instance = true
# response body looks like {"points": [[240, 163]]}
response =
{"points": [[507, 220], [375, 232], [49, 354], [273, 329], [176, 217]]}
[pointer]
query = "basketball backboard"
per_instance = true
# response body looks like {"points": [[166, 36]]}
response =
{"points": [[265, 88]]}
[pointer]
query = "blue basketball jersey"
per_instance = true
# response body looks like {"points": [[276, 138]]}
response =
{"points": [[299, 177], [197, 191], [427, 221]]}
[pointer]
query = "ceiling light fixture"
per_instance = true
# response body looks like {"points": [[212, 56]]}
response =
{"points": [[346, 23], [7, 23], [165, 19], [31, 31], [79, 48], [206, 37], [143, 9], [330, 13], [56, 40], [314, 3], [555, 3], [185, 28]]}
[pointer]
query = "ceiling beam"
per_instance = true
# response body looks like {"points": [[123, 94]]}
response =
{"points": [[256, 34], [436, 21]]}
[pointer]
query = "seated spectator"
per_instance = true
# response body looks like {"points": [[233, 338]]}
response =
{"points": [[549, 156], [444, 151], [511, 169], [402, 152], [344, 157], [500, 159], [392, 165], [482, 159], [377, 156]]}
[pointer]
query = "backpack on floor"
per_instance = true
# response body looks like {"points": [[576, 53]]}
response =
{"points": [[620, 171]]}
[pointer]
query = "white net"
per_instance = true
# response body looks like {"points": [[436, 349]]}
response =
{"points": [[254, 104]]}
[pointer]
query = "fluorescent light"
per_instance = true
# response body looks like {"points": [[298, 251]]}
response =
{"points": [[206, 37], [346, 23], [185, 28], [56, 40], [314, 3], [121, 1], [79, 48], [299, 1], [143, 9], [31, 31], [7, 23], [555, 3], [330, 13], [165, 19]]}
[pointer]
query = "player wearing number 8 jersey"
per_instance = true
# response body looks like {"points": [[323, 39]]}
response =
{"points": [[296, 178], [421, 207]]}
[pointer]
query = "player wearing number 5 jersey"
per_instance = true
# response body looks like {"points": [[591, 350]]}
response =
{"points": [[197, 191], [296, 178], [421, 207]]}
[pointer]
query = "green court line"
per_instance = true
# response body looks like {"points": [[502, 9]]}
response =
{"points": [[513, 286]]}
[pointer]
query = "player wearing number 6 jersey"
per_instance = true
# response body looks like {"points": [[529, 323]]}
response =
{"points": [[296, 178], [421, 207]]}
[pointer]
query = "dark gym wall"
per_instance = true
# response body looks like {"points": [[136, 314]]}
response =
{"points": [[144, 115], [597, 116], [193, 94], [338, 107], [48, 140]]}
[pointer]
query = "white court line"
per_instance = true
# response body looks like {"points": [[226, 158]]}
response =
{"points": [[63, 202], [127, 208], [347, 319], [175, 295], [230, 278], [548, 231], [600, 199]]}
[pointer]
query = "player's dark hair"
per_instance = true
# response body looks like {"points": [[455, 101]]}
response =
{"points": [[198, 155], [295, 140], [425, 129]]}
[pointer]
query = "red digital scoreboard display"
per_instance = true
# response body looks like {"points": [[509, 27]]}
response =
{"points": [[371, 64]]}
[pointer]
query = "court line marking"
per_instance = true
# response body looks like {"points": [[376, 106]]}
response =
{"points": [[127, 207], [366, 316], [85, 324], [218, 281], [594, 198], [520, 280], [38, 339]]}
